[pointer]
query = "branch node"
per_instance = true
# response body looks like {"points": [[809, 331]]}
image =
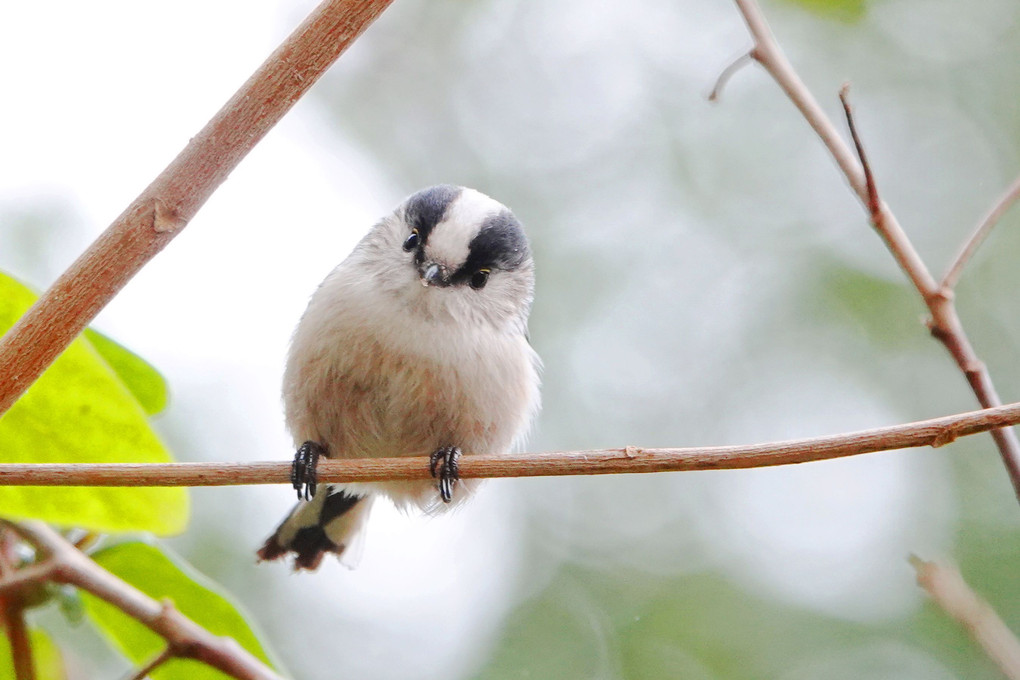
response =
{"points": [[936, 330], [944, 326], [942, 295], [974, 370], [166, 220], [946, 435]]}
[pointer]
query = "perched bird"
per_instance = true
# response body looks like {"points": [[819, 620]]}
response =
{"points": [[415, 345]]}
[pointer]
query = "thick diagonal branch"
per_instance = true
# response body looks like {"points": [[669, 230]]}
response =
{"points": [[173, 198]]}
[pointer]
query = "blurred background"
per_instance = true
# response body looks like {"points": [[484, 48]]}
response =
{"points": [[704, 277]]}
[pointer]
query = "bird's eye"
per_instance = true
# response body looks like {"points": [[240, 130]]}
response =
{"points": [[479, 278], [412, 241]]}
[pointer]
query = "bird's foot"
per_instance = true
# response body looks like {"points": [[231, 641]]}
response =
{"points": [[303, 470], [443, 465]]}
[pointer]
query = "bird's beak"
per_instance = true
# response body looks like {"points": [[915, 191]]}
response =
{"points": [[434, 274]]}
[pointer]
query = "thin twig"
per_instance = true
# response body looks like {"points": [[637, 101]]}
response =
{"points": [[874, 204], [173, 198], [153, 663], [947, 588], [631, 459], [727, 73], [984, 227], [944, 324], [183, 635], [767, 53]]}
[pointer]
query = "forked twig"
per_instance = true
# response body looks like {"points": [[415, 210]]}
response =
{"points": [[944, 324], [184, 637]]}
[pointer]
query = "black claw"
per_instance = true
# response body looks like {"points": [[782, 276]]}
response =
{"points": [[302, 471], [434, 459], [443, 464]]}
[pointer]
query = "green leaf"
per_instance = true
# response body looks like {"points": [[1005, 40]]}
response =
{"points": [[847, 11], [155, 573], [144, 381], [883, 311], [49, 665], [80, 411]]}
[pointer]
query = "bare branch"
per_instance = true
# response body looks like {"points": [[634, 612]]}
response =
{"points": [[13, 613], [185, 637], [12, 608], [945, 324], [19, 579], [631, 459], [726, 74], [947, 588], [767, 53], [173, 198], [155, 662], [873, 203], [984, 227]]}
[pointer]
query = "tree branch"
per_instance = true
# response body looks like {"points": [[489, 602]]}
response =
{"points": [[631, 459], [13, 612], [984, 227], [184, 637], [173, 198], [766, 52], [20, 580], [13, 598], [944, 324], [947, 588], [727, 73], [152, 664], [873, 203]]}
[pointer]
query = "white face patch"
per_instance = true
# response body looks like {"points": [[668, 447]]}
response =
{"points": [[449, 241]]}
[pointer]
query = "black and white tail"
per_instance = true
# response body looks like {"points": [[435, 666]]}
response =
{"points": [[332, 521]]}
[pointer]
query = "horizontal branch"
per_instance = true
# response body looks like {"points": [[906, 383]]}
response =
{"points": [[630, 459]]}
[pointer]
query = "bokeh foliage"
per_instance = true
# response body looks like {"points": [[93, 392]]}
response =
{"points": [[704, 277]]}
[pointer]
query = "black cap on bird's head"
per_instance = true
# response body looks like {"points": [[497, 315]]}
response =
{"points": [[460, 236]]}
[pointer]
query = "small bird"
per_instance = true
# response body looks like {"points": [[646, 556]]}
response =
{"points": [[415, 345]]}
